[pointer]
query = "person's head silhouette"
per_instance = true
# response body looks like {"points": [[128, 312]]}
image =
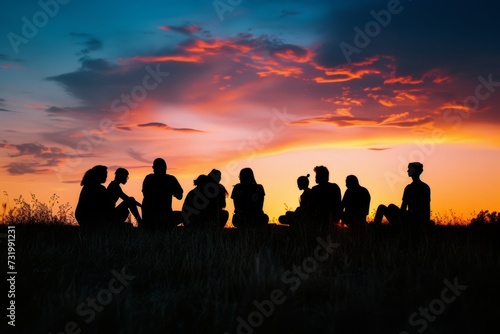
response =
{"points": [[322, 174], [96, 175], [303, 182], [159, 166], [415, 169], [351, 181], [247, 177], [216, 175], [201, 181], [121, 175]]}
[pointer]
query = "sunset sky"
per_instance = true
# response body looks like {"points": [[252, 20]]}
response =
{"points": [[361, 87]]}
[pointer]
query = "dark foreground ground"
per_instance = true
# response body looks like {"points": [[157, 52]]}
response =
{"points": [[68, 280]]}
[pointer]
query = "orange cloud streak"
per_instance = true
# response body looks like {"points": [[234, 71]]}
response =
{"points": [[178, 58]]}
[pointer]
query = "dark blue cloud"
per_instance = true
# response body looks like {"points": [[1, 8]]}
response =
{"points": [[455, 35]]}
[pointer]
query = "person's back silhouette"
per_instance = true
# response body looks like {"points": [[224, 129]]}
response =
{"points": [[302, 213], [415, 207], [128, 203], [198, 209], [325, 199], [158, 189], [248, 197], [356, 202], [95, 207]]}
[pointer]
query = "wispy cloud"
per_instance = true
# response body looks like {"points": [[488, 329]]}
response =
{"points": [[138, 156], [36, 158], [187, 29], [162, 126], [403, 120]]}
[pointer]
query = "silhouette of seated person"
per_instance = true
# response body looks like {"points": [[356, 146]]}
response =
{"points": [[301, 214], [158, 189], [128, 204], [95, 207], [248, 198], [415, 209], [199, 206], [220, 203], [325, 200], [355, 203]]}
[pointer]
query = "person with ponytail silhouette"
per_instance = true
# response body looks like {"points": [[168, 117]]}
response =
{"points": [[248, 198]]}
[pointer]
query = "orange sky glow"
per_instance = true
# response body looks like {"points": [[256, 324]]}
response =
{"points": [[202, 95]]}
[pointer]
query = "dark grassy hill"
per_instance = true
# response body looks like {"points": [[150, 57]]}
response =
{"points": [[275, 280]]}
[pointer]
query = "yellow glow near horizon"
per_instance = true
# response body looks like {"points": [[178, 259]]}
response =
{"points": [[463, 179]]}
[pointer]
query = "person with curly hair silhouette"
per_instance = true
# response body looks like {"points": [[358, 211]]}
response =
{"points": [[95, 207]]}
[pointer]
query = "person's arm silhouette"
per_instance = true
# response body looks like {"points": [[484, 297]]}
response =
{"points": [[177, 190]]}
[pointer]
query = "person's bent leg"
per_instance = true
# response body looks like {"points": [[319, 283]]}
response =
{"points": [[132, 206], [393, 215], [121, 212], [381, 212]]}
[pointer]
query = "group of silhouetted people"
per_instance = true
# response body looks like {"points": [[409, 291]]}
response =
{"points": [[322, 205], [204, 206]]}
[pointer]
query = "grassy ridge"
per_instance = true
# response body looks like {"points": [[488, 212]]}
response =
{"points": [[189, 281]]}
